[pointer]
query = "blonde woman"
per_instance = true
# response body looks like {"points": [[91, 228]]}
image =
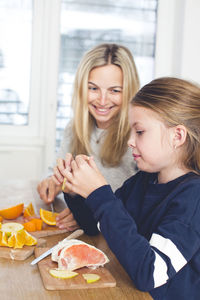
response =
{"points": [[105, 82]]}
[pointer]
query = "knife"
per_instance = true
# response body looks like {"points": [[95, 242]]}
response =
{"points": [[73, 235], [52, 208]]}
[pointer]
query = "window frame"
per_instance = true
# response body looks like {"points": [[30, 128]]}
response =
{"points": [[44, 70], [43, 83]]}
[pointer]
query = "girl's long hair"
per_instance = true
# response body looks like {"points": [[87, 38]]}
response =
{"points": [[115, 141], [177, 102]]}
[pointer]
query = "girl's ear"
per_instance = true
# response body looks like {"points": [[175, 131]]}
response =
{"points": [[180, 134]]}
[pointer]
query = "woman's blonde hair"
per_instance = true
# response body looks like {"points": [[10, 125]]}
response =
{"points": [[115, 142], [177, 102]]}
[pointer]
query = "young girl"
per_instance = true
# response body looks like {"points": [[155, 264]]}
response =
{"points": [[152, 223]]}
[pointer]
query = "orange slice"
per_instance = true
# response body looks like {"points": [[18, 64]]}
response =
{"points": [[12, 212], [29, 211], [1, 218], [48, 217], [26, 238]]}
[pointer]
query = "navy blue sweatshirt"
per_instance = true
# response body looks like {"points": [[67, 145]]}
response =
{"points": [[153, 229]]}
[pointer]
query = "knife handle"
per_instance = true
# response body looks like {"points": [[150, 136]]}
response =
{"points": [[74, 234]]}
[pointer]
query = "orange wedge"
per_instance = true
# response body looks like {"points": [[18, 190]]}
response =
{"points": [[33, 225], [26, 238], [29, 226], [11, 241], [38, 223], [12, 212], [48, 217], [29, 211]]}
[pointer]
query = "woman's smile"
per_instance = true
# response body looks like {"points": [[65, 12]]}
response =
{"points": [[102, 110]]}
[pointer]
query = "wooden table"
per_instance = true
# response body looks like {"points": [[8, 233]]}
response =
{"points": [[20, 281]]}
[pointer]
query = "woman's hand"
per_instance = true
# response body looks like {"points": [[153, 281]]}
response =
{"points": [[84, 176], [48, 190], [65, 220], [61, 168]]}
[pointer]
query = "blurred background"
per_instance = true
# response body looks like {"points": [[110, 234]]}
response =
{"points": [[41, 44]]}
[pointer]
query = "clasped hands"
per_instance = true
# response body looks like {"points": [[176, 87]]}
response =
{"points": [[81, 173]]}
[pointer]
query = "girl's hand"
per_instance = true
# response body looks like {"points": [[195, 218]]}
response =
{"points": [[65, 220], [84, 177]]}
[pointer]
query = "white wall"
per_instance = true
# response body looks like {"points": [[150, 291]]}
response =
{"points": [[190, 59], [178, 39], [26, 153]]}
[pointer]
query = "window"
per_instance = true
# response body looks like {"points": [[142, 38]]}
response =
{"points": [[85, 24], [15, 61], [35, 77]]}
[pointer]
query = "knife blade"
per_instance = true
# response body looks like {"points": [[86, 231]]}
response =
{"points": [[73, 235], [52, 208]]}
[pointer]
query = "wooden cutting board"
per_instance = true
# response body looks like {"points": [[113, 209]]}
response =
{"points": [[48, 231], [20, 254], [78, 282]]}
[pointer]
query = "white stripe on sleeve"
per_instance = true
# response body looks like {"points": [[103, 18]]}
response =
{"points": [[167, 247], [160, 271], [98, 226]]}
